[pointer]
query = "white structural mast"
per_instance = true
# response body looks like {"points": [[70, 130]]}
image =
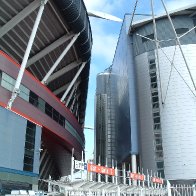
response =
{"points": [[73, 81], [16, 89], [44, 81], [26, 62]]}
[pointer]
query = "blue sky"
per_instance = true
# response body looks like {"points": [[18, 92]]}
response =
{"points": [[105, 36]]}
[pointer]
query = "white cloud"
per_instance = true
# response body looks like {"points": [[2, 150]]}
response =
{"points": [[104, 43], [104, 46], [103, 5], [175, 4], [172, 5]]}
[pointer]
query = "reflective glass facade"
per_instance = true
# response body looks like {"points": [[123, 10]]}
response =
{"points": [[112, 130], [106, 119]]}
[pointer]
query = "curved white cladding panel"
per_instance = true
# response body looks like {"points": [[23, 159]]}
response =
{"points": [[178, 114], [145, 113]]}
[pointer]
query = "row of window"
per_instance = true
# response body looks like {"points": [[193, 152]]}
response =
{"points": [[29, 147], [8, 82], [156, 116], [179, 31]]}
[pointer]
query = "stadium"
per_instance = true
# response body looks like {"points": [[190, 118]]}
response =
{"points": [[45, 51]]}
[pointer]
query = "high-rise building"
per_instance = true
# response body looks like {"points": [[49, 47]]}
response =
{"points": [[160, 91], [106, 132], [112, 121], [42, 107]]}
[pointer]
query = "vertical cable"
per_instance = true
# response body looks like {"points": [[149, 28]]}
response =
{"points": [[133, 14], [157, 52], [179, 44]]}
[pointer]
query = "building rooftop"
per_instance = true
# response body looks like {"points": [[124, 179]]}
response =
{"points": [[189, 10]]}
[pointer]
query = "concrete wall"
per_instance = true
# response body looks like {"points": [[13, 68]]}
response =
{"points": [[12, 146], [12, 140]]}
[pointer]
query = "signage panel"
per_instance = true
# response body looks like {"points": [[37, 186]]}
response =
{"points": [[100, 169], [79, 165], [136, 176], [157, 180]]}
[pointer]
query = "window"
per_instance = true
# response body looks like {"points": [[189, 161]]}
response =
{"points": [[24, 93], [41, 104], [152, 66], [159, 148], [159, 155], [8, 83], [55, 115], [156, 114], [29, 147], [181, 31], [155, 99], [153, 80], [153, 75], [152, 61], [155, 105], [155, 94], [157, 126], [48, 110], [157, 135], [158, 141], [62, 120], [154, 85], [151, 36], [33, 99], [156, 120], [160, 165]]}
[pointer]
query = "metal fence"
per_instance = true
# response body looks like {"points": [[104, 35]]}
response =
{"points": [[181, 190], [94, 188]]}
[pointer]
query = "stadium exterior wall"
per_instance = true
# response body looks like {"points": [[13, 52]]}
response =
{"points": [[14, 125]]}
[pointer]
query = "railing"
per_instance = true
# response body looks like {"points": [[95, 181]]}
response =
{"points": [[97, 180], [181, 190], [93, 188]]}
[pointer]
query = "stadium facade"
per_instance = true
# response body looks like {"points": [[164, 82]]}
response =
{"points": [[42, 113], [157, 86]]}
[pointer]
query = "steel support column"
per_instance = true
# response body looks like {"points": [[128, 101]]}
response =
{"points": [[19, 17], [64, 70], [48, 49], [71, 94], [72, 82], [16, 89], [60, 58]]}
